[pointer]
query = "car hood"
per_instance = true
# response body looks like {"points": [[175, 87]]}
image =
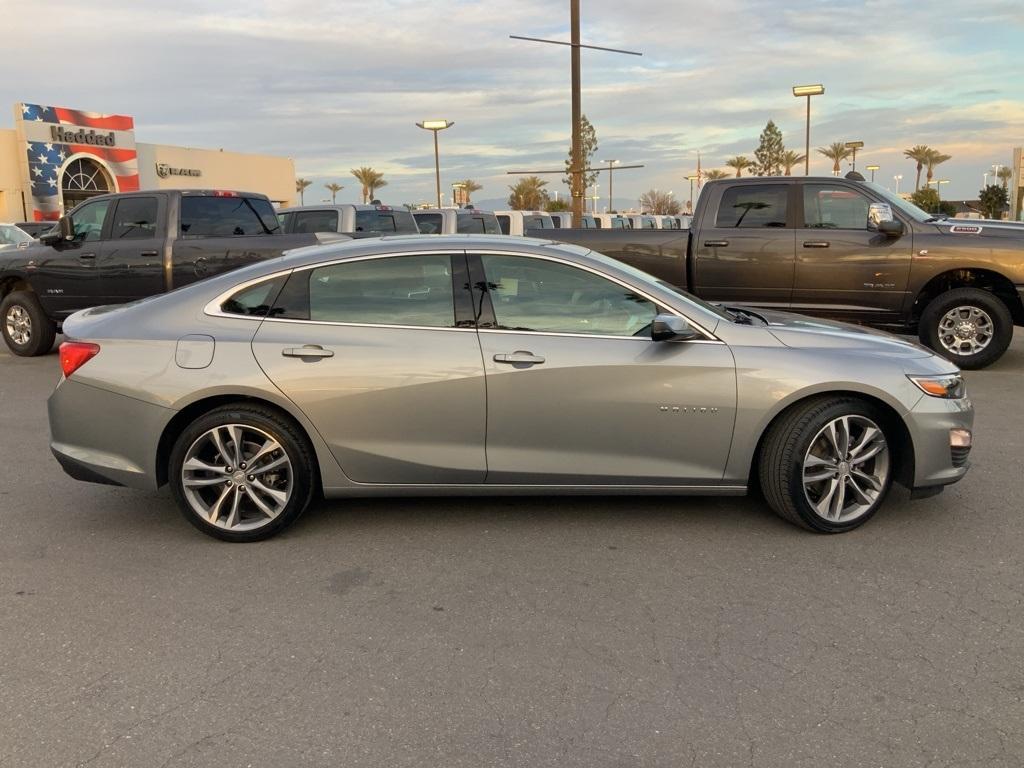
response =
{"points": [[813, 333]]}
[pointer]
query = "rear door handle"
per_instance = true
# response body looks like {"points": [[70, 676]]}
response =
{"points": [[149, 253], [520, 357], [87, 256], [716, 243], [816, 243], [309, 350]]}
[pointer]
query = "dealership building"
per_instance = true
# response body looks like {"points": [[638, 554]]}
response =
{"points": [[55, 157]]}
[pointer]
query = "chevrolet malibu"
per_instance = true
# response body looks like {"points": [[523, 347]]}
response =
{"points": [[477, 365]]}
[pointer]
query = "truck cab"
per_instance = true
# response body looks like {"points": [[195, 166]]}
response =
{"points": [[517, 222], [348, 219], [452, 221]]}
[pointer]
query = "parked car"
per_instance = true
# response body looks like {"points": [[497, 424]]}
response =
{"points": [[121, 247], [611, 221], [12, 236], [517, 222], [841, 249], [35, 228], [563, 220], [483, 365], [348, 219], [452, 221], [642, 221]]}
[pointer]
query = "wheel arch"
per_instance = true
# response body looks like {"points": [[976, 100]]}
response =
{"points": [[13, 282], [970, 277]]}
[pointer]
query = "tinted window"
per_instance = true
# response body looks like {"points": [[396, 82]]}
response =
{"points": [[397, 290], [11, 235], [536, 295], [203, 216], [88, 220], [478, 223], [505, 224], [254, 301], [747, 205], [828, 207], [537, 222], [315, 221], [428, 223], [134, 218], [284, 218], [386, 221]]}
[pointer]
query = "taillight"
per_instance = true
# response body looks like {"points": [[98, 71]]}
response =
{"points": [[75, 354]]}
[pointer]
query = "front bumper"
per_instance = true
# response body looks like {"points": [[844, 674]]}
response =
{"points": [[936, 462], [103, 437]]}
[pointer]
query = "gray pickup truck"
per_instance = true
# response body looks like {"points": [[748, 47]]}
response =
{"points": [[838, 248], [116, 248]]}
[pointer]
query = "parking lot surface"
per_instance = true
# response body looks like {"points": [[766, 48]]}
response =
{"points": [[511, 632]]}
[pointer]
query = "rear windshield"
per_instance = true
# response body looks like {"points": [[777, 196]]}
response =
{"points": [[428, 223], [401, 222], [207, 216], [478, 223], [538, 222]]}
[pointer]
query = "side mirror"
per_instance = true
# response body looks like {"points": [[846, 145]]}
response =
{"points": [[672, 328], [65, 230], [892, 228], [881, 219]]}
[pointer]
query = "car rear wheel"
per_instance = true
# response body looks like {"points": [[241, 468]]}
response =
{"points": [[242, 473], [26, 328], [969, 326], [827, 465]]}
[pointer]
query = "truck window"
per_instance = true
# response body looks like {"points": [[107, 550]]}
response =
{"points": [[203, 216], [834, 207], [88, 221], [315, 221], [429, 223], [477, 223], [753, 206], [134, 219], [505, 223], [400, 222], [537, 222]]}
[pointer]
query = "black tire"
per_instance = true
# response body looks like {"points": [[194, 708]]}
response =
{"points": [[260, 419], [785, 447], [929, 330], [40, 330]]}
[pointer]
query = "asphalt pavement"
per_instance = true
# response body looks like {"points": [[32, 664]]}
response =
{"points": [[618, 633]]}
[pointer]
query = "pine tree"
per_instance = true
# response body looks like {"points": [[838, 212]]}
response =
{"points": [[588, 139], [769, 152]]}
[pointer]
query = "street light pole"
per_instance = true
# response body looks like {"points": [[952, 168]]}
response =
{"points": [[898, 178], [611, 165], [873, 168], [435, 126], [808, 91], [689, 203]]}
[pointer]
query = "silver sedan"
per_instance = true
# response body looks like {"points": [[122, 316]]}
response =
{"points": [[484, 365]]}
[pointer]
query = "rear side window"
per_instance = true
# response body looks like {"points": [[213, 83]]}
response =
{"points": [[315, 221], [203, 216], [134, 219], [256, 300], [395, 290], [428, 223], [752, 206], [538, 222], [392, 221], [477, 223]]}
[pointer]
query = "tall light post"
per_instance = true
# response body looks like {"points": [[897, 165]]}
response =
{"points": [[898, 178], [435, 126], [938, 186], [808, 91], [984, 179], [689, 203], [611, 165], [873, 168], [995, 173], [854, 146]]}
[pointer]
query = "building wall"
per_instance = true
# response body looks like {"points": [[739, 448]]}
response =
{"points": [[10, 178], [271, 176]]}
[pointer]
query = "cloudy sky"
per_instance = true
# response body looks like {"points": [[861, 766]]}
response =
{"points": [[340, 84]]}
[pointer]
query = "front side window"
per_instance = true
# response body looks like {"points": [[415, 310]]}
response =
{"points": [[753, 206], [530, 294], [396, 290], [315, 221], [134, 219], [88, 221], [834, 207], [382, 220], [207, 216]]}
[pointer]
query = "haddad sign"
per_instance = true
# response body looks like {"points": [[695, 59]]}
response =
{"points": [[163, 170], [81, 136]]}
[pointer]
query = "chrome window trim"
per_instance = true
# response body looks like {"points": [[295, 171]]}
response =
{"points": [[646, 339]]}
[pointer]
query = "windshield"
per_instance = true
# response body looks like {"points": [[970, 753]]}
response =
{"points": [[898, 202], [11, 235]]}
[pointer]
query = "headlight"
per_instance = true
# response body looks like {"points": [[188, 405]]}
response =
{"points": [[950, 386]]}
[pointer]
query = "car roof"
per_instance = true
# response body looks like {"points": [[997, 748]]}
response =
{"points": [[341, 207]]}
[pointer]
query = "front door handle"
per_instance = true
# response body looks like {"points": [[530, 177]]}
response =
{"points": [[716, 243], [519, 357], [816, 243], [149, 253], [309, 350], [87, 256]]}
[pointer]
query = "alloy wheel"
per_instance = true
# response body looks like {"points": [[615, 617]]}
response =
{"points": [[19, 325], [965, 330], [846, 468], [237, 477]]}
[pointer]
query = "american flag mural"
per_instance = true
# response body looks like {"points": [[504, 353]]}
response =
{"points": [[48, 150]]}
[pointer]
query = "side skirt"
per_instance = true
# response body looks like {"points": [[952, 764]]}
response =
{"points": [[483, 489]]}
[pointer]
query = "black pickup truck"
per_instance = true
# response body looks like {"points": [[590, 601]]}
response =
{"points": [[842, 249], [120, 247]]}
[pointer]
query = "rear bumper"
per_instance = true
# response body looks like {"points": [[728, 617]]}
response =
{"points": [[936, 464], [103, 437]]}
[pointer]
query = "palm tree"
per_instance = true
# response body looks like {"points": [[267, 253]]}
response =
{"points": [[1004, 174], [934, 158], [370, 179], [739, 163], [836, 152], [918, 154], [791, 159], [528, 194], [300, 187], [470, 187], [715, 173], [335, 189]]}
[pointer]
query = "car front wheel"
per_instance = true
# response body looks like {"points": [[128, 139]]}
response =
{"points": [[26, 328], [242, 473], [827, 465], [969, 326]]}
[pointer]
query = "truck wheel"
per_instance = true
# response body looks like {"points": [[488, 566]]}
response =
{"points": [[826, 465], [26, 328], [969, 326]]}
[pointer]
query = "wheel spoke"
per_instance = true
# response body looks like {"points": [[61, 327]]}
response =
{"points": [[196, 464], [280, 461], [838, 500], [876, 448], [280, 497], [864, 477], [265, 508], [862, 497], [213, 514], [236, 443], [866, 437], [826, 500], [221, 448], [266, 449], [202, 482]]}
